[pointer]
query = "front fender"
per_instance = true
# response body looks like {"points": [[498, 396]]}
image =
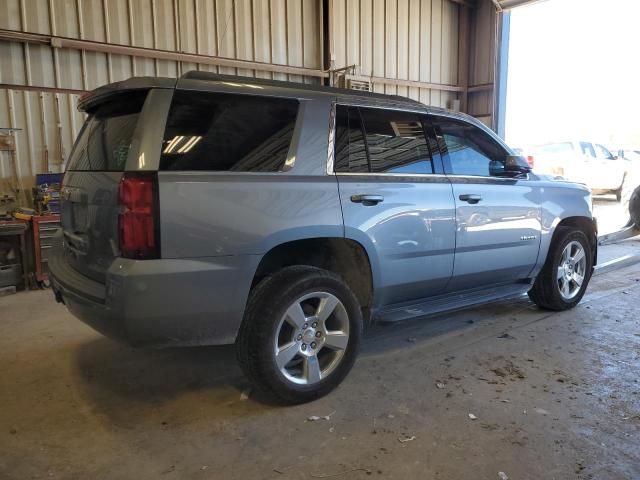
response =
{"points": [[560, 203]]}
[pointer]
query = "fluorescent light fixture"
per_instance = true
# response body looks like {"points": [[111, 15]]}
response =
{"points": [[233, 84], [190, 144], [182, 143], [173, 143]]}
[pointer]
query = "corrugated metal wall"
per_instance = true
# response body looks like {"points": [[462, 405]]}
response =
{"points": [[283, 32], [482, 63], [414, 43], [402, 39]]}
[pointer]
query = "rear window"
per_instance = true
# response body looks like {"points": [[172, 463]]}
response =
{"points": [[105, 139], [227, 132]]}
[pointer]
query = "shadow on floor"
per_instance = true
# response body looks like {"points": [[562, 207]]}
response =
{"points": [[139, 386], [122, 382], [145, 373]]}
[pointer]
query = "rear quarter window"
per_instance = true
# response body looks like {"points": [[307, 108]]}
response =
{"points": [[227, 132]]}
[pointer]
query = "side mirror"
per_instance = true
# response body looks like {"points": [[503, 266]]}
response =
{"points": [[496, 169], [516, 165]]}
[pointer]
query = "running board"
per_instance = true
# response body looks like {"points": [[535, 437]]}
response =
{"points": [[450, 302]]}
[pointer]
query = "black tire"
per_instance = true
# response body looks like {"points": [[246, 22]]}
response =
{"points": [[546, 292], [632, 203], [268, 302]]}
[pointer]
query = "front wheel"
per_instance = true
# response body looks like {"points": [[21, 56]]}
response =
{"points": [[300, 335], [566, 273]]}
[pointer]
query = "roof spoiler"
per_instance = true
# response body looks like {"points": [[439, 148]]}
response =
{"points": [[91, 99]]}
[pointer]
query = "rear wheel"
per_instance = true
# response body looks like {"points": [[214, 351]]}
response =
{"points": [[300, 334], [563, 280]]}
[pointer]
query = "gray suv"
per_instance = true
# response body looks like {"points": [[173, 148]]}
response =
{"points": [[283, 217]]}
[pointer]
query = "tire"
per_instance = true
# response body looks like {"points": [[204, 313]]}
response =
{"points": [[632, 204], [546, 291], [273, 323]]}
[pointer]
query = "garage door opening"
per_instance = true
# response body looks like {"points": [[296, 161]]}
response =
{"points": [[572, 103]]}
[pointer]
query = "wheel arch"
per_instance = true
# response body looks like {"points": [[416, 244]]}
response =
{"points": [[343, 256], [587, 226]]}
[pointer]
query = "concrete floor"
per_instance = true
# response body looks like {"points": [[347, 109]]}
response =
{"points": [[555, 396], [610, 214]]}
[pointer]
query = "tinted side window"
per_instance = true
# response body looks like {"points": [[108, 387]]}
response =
{"points": [[350, 150], [587, 149], [225, 132], [602, 153], [396, 142], [470, 150]]}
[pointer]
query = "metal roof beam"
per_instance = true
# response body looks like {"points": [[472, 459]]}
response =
{"points": [[153, 53], [507, 4], [465, 3]]}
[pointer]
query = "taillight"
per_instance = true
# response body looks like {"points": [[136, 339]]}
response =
{"points": [[137, 222], [530, 160]]}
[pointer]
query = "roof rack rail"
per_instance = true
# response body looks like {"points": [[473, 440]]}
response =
{"points": [[217, 77]]}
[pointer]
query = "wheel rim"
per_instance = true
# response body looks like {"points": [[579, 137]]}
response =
{"points": [[571, 270], [312, 338]]}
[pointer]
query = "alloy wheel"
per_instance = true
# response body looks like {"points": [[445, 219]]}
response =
{"points": [[571, 270], [312, 338]]}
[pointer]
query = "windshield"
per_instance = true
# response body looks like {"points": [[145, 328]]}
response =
{"points": [[556, 148], [632, 154], [104, 141]]}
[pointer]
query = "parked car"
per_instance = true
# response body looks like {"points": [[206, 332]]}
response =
{"points": [[631, 154], [521, 152], [283, 217], [583, 162]]}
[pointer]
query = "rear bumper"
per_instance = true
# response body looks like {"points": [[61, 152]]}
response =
{"points": [[158, 303]]}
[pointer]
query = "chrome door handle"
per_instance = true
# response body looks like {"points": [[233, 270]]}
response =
{"points": [[367, 200], [470, 198]]}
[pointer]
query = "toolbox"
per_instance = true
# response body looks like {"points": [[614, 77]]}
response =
{"points": [[44, 229]]}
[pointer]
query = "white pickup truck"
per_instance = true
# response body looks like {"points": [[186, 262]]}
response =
{"points": [[583, 162]]}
